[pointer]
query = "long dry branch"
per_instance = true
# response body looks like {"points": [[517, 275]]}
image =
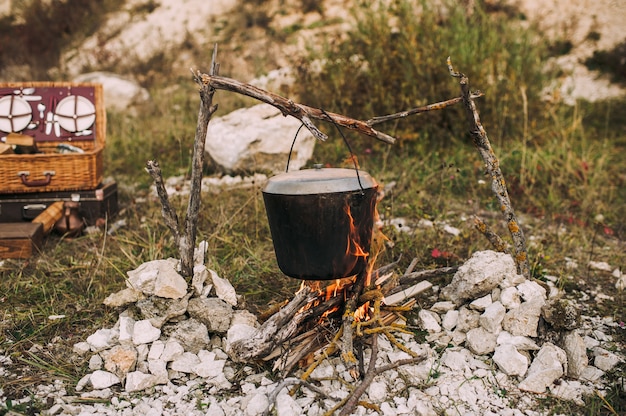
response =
{"points": [[498, 184], [418, 110], [302, 112]]}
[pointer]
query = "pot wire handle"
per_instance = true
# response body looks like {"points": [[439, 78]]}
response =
{"points": [[345, 140], [293, 143]]}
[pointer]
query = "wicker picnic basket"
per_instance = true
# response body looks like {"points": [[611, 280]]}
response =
{"points": [[48, 170]]}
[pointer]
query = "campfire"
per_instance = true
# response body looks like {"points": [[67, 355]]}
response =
{"points": [[345, 315]]}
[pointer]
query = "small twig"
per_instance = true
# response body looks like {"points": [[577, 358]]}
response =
{"points": [[352, 400], [430, 107], [496, 241], [168, 213], [498, 184]]}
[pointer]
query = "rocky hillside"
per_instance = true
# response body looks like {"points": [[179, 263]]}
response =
{"points": [[144, 37]]}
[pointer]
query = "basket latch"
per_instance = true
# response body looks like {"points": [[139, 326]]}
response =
{"points": [[41, 182]]}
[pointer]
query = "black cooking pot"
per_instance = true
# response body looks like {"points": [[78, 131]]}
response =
{"points": [[321, 221]]}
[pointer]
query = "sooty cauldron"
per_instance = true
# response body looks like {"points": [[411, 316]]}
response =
{"points": [[321, 221]]}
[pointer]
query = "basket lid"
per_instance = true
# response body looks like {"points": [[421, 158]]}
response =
{"points": [[319, 181]]}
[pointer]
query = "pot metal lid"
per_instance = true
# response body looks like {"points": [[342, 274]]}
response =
{"points": [[319, 181]]}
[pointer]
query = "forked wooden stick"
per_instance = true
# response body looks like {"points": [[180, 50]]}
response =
{"points": [[498, 184]]}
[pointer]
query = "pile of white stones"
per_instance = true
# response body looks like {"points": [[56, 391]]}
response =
{"points": [[495, 343]]}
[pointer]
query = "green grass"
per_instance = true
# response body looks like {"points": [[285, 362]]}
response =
{"points": [[565, 168]]}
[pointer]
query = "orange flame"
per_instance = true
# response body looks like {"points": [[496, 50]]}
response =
{"points": [[353, 248]]}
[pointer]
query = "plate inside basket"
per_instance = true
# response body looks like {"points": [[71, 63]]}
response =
{"points": [[15, 114], [75, 113]]}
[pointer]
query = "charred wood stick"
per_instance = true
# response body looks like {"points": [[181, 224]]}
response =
{"points": [[274, 331], [385, 269], [347, 347], [498, 184], [302, 112], [299, 348], [415, 277], [418, 110]]}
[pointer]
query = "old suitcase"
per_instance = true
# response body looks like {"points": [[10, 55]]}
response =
{"points": [[52, 136], [101, 202], [20, 240]]}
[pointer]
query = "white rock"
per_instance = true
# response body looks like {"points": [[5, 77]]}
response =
{"points": [[236, 333], [457, 360], [172, 350], [480, 341], [123, 297], [523, 320], [600, 265], [481, 303], [531, 290], [377, 391], [144, 332], [83, 382], [521, 343], [143, 277], [186, 363], [510, 361], [491, 319], [170, 284], [576, 352], [95, 362], [156, 349], [102, 379], [450, 320], [158, 368], [200, 276], [605, 360], [215, 410], [81, 348], [287, 406], [547, 366], [223, 289], [451, 230], [429, 321], [478, 276], [137, 381], [592, 373], [126, 325], [102, 339], [510, 297], [442, 307], [256, 404], [468, 319], [209, 366], [244, 317], [257, 138], [142, 352], [571, 390]]}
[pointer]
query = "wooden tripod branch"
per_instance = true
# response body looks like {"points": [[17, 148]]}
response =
{"points": [[302, 112], [186, 239], [498, 184], [418, 110]]}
